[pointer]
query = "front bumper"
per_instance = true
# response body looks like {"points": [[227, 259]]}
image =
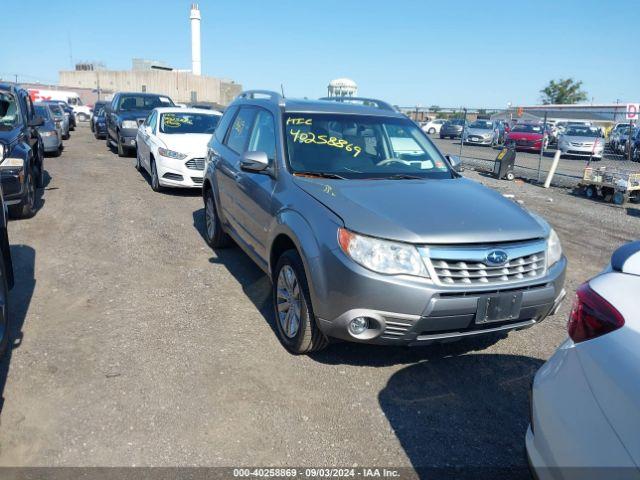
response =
{"points": [[100, 128], [176, 173], [12, 185], [415, 311], [474, 140], [128, 137], [580, 151]]}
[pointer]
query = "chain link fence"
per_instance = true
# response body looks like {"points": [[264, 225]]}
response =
{"points": [[596, 136]]}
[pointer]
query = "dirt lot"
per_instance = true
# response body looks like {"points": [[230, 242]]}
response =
{"points": [[135, 344]]}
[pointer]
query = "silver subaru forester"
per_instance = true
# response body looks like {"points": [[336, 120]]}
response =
{"points": [[367, 232]]}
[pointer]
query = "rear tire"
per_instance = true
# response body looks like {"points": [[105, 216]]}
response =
{"points": [[214, 233], [290, 289]]}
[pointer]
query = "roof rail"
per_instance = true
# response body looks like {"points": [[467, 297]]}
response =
{"points": [[367, 102], [273, 96]]}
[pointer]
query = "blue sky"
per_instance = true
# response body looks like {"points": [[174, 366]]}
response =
{"points": [[476, 54]]}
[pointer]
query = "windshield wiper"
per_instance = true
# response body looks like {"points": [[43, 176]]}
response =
{"points": [[319, 174], [402, 176]]}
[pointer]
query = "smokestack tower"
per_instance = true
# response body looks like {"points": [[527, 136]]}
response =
{"points": [[195, 40]]}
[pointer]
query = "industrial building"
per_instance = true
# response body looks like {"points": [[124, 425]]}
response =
{"points": [[155, 76]]}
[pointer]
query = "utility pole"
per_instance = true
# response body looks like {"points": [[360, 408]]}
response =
{"points": [[16, 78]]}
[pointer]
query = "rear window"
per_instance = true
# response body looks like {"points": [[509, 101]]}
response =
{"points": [[142, 102]]}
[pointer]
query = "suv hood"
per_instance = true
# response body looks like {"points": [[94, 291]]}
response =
{"points": [[133, 114], [9, 135], [452, 211]]}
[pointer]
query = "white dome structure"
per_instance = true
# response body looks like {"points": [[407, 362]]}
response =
{"points": [[342, 87]]}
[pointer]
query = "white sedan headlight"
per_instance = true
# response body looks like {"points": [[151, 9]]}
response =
{"points": [[171, 154], [554, 249], [129, 124], [382, 256]]}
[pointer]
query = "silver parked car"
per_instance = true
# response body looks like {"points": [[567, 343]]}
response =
{"points": [[50, 134], [367, 231], [581, 141], [480, 132]]}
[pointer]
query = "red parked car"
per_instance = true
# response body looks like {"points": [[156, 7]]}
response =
{"points": [[527, 136]]}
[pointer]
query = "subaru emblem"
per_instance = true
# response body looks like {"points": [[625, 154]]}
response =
{"points": [[497, 257]]}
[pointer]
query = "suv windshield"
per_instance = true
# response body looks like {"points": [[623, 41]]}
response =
{"points": [[356, 146], [188, 122], [142, 102], [9, 115], [482, 124]]}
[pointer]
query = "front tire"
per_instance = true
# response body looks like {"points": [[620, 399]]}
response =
{"points": [[121, 152], [4, 306], [155, 180], [295, 321], [432, 130], [26, 208], [138, 164], [214, 233]]}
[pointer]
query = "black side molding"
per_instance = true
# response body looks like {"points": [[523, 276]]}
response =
{"points": [[622, 254]]}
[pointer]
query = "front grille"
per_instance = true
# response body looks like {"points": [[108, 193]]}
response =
{"points": [[578, 152], [195, 164], [525, 143], [197, 180], [521, 268], [470, 265]]}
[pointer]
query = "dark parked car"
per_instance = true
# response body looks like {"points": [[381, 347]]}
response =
{"points": [[49, 133], [125, 113], [453, 129], [60, 118], [92, 121], [99, 123], [21, 151], [6, 277]]}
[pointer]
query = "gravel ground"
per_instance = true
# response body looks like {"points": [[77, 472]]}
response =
{"points": [[135, 344]]}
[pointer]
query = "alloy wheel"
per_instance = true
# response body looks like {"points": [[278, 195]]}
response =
{"points": [[288, 301]]}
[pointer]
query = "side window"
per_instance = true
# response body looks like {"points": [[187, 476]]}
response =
{"points": [[240, 129], [263, 135], [225, 121]]}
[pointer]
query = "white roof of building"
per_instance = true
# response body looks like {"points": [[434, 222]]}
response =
{"points": [[343, 82]]}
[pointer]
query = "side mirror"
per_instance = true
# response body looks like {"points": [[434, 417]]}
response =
{"points": [[455, 162], [37, 121], [254, 161]]}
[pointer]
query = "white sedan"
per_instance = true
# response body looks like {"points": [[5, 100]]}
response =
{"points": [[585, 411], [172, 145], [433, 126]]}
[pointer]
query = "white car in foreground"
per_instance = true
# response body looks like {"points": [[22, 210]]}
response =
{"points": [[433, 126], [172, 145], [585, 410]]}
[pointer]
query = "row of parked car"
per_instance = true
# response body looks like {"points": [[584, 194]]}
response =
{"points": [[314, 190], [571, 138]]}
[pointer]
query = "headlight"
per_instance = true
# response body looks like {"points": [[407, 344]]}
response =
{"points": [[171, 154], [382, 256], [129, 124], [554, 249], [12, 163], [51, 133]]}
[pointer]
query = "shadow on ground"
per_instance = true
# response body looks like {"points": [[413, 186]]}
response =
{"points": [[463, 416], [23, 258]]}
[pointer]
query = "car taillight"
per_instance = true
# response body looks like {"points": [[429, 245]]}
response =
{"points": [[592, 316]]}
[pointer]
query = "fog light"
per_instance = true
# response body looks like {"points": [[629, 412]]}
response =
{"points": [[358, 325]]}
